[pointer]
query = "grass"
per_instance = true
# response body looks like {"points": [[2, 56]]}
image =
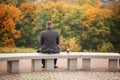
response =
{"points": [[16, 50]]}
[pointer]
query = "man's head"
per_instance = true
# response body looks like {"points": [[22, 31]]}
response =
{"points": [[49, 24]]}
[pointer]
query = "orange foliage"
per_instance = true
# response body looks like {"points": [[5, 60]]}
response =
{"points": [[9, 15], [27, 8], [28, 13], [95, 14]]}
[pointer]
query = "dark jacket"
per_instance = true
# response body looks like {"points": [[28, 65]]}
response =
{"points": [[49, 40]]}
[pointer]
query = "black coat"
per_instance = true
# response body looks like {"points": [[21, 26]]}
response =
{"points": [[49, 41]]}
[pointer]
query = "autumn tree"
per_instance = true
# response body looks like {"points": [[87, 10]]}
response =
{"points": [[96, 27], [88, 23], [115, 29], [87, 26], [29, 26], [9, 2], [16, 3], [9, 16]]}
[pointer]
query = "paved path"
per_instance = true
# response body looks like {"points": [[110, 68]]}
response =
{"points": [[99, 72], [77, 75]]}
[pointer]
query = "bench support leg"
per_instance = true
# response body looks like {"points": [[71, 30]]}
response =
{"points": [[86, 64], [13, 66], [36, 65], [49, 64], [72, 64], [113, 64]]}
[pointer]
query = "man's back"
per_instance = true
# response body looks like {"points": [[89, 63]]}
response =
{"points": [[49, 41]]}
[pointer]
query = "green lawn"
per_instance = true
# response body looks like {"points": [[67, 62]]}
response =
{"points": [[16, 50]]}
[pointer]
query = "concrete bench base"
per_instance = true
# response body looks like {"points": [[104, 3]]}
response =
{"points": [[86, 64], [13, 66], [72, 64], [49, 64], [113, 64], [36, 65]]}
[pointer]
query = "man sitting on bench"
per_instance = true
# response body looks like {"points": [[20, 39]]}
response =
{"points": [[49, 41]]}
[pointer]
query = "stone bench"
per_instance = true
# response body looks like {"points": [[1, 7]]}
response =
{"points": [[13, 60]]}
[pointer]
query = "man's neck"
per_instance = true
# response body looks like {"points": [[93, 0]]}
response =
{"points": [[49, 28]]}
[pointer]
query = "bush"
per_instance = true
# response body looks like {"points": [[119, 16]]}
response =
{"points": [[16, 50], [105, 47]]}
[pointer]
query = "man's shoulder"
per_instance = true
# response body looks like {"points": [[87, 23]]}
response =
{"points": [[47, 31], [43, 31], [55, 31]]}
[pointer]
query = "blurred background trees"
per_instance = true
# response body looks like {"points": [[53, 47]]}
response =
{"points": [[9, 16], [84, 25]]}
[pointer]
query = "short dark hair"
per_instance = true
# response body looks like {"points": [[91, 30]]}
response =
{"points": [[49, 23]]}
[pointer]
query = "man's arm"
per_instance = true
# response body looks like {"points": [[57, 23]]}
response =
{"points": [[41, 43], [41, 39], [58, 39]]}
